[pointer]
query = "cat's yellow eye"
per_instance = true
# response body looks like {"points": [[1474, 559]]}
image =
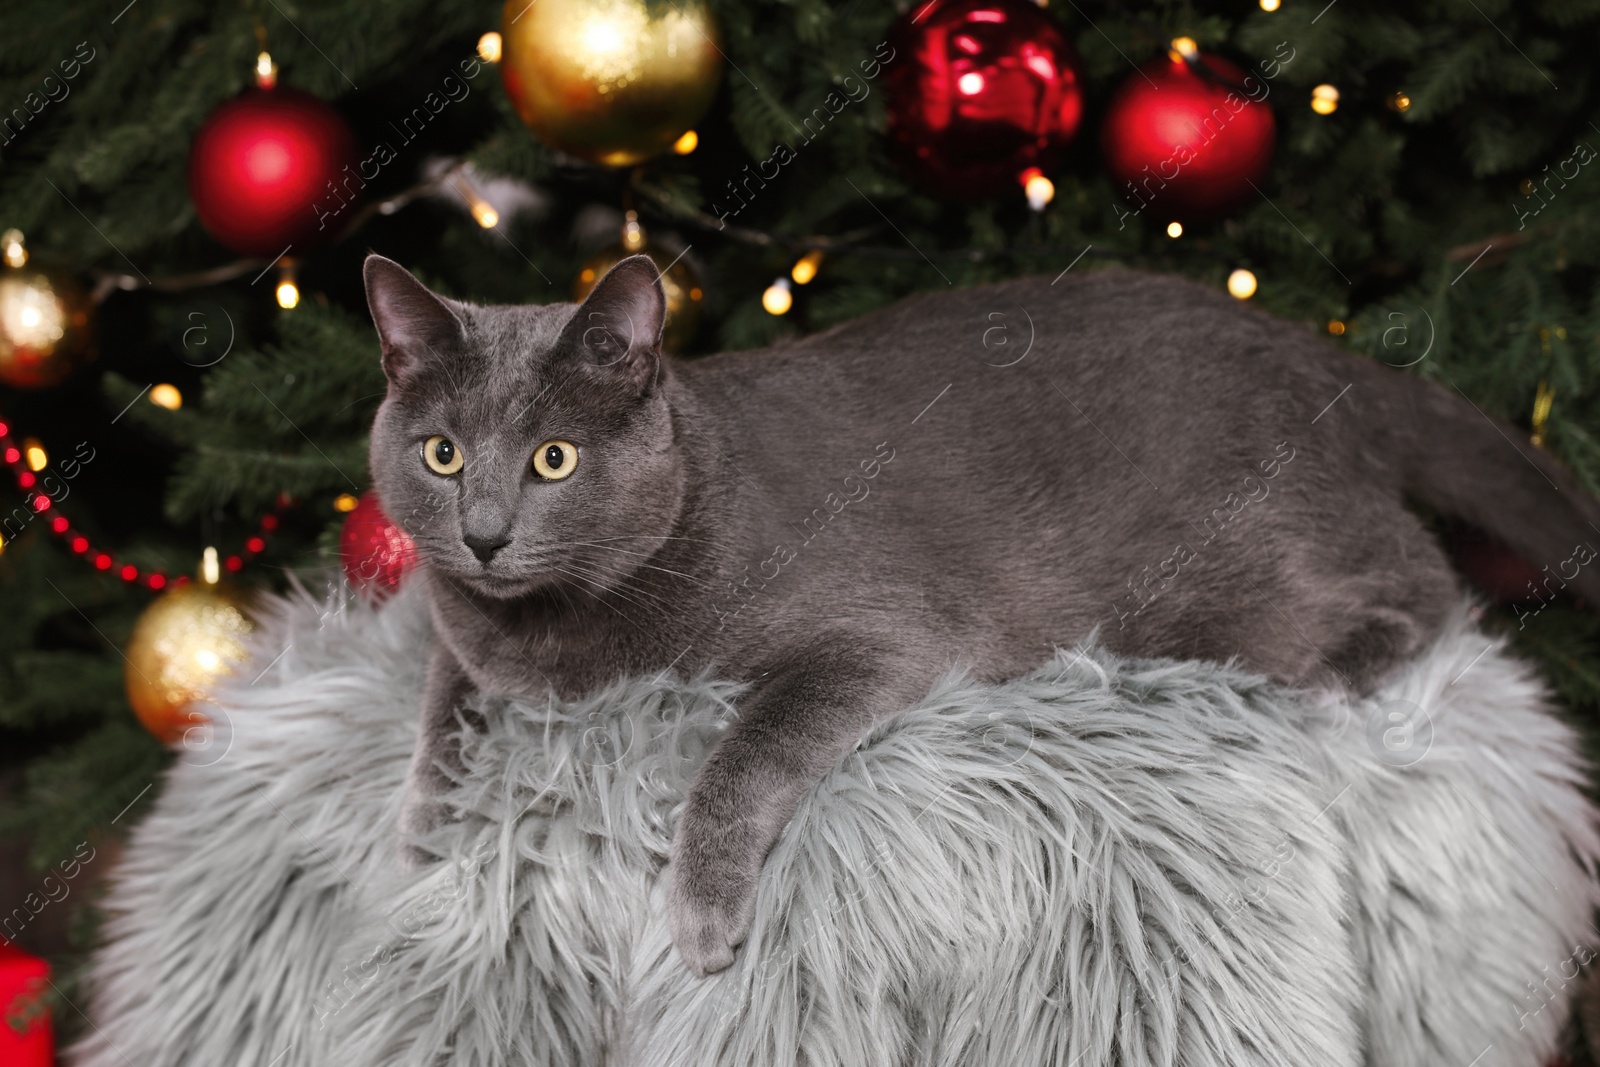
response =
{"points": [[441, 455], [555, 460]]}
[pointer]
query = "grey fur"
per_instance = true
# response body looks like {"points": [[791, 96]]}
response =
{"points": [[841, 520], [1106, 862]]}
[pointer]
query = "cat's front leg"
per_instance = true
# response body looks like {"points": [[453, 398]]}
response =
{"points": [[444, 692], [792, 729]]}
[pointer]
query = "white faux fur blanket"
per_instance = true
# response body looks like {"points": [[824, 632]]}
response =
{"points": [[1105, 862]]}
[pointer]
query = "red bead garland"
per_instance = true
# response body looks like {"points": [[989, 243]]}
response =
{"points": [[61, 526]]}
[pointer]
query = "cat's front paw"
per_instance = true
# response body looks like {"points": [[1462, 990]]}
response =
{"points": [[711, 901], [421, 812]]}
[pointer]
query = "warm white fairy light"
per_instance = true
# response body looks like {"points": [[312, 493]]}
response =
{"points": [[288, 292], [1242, 284], [166, 396], [806, 266], [1037, 188], [778, 298], [12, 248]]}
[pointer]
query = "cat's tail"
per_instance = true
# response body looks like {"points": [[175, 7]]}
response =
{"points": [[1456, 459]]}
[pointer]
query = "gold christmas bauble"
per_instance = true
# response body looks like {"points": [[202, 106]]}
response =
{"points": [[186, 640], [44, 327], [678, 282], [610, 81]]}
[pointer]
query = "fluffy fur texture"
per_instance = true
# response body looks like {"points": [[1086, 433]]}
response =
{"points": [[1107, 861]]}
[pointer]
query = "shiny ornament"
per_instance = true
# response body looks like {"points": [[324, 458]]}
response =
{"points": [[26, 1036], [611, 81], [188, 639], [1498, 571], [273, 169], [1183, 137], [685, 297], [375, 552], [45, 331], [980, 92]]}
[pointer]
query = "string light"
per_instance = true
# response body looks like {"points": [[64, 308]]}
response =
{"points": [[1336, 327], [806, 267], [687, 143], [166, 396], [33, 451], [483, 212], [1183, 49], [1399, 101], [632, 232], [266, 71], [1324, 99], [1242, 284], [1270, 5], [1037, 188], [490, 47], [11, 246], [778, 298], [288, 291], [1174, 229], [345, 502]]}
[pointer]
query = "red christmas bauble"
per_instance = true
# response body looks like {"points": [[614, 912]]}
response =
{"points": [[1498, 571], [1187, 139], [979, 92], [375, 552], [260, 171], [26, 1038]]}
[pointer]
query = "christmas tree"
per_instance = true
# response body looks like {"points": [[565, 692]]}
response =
{"points": [[1429, 203]]}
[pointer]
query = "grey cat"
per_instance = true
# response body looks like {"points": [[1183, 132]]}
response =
{"points": [[967, 479]]}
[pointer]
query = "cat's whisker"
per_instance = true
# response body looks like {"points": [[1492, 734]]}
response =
{"points": [[645, 565], [652, 537], [600, 544], [601, 594], [650, 602], [622, 574], [593, 571]]}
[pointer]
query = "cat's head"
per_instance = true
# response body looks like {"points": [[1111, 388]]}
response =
{"points": [[526, 447]]}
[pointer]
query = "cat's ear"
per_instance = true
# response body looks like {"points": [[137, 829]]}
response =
{"points": [[414, 324], [618, 326]]}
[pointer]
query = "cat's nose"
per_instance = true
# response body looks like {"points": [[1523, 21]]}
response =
{"points": [[485, 547]]}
